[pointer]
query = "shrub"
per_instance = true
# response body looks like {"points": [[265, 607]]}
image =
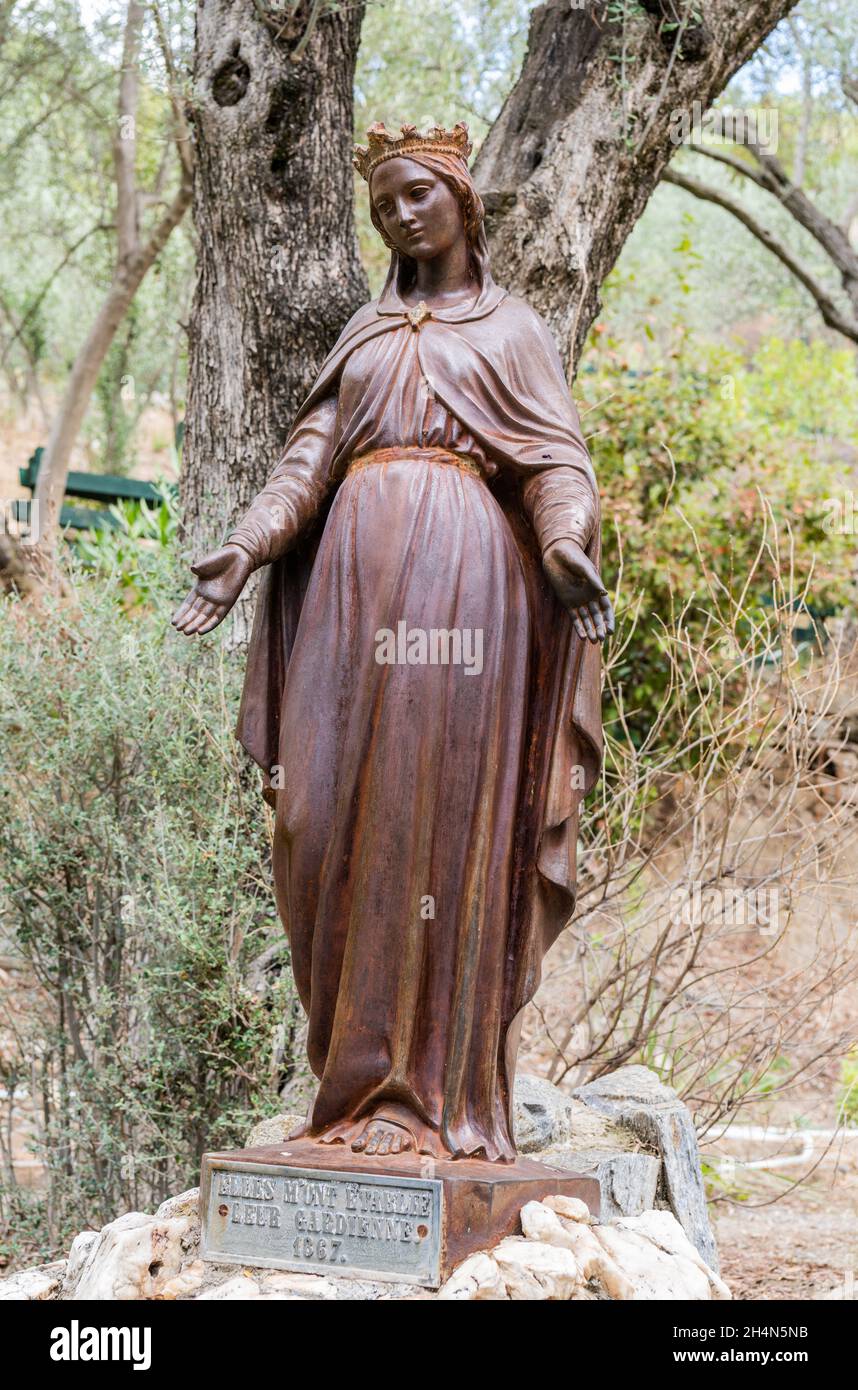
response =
{"points": [[701, 470], [134, 882]]}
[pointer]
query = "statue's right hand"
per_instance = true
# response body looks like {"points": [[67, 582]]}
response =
{"points": [[221, 577]]}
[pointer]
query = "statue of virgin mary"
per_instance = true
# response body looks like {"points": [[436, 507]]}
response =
{"points": [[422, 690]]}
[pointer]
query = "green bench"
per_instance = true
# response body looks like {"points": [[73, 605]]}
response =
{"points": [[91, 487]]}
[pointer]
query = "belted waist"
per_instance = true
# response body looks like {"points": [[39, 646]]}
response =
{"points": [[466, 462]]}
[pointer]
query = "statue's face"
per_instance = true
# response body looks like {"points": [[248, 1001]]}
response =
{"points": [[418, 210]]}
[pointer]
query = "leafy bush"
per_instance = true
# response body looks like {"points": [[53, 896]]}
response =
{"points": [[847, 1110], [700, 465], [134, 882], [135, 550]]}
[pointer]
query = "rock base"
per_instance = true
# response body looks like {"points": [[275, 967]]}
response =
{"points": [[628, 1131]]}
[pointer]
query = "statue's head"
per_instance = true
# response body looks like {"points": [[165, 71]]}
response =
{"points": [[422, 197]]}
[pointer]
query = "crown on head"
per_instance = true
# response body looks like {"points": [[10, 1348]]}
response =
{"points": [[384, 145]]}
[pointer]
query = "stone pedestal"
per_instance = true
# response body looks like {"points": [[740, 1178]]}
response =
{"points": [[407, 1218]]}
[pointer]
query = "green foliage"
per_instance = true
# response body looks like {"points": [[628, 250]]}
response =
{"points": [[58, 122], [135, 883], [720, 1181], [699, 457], [800, 389], [137, 554], [847, 1108]]}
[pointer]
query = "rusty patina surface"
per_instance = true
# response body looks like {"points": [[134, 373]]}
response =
{"points": [[435, 496]]}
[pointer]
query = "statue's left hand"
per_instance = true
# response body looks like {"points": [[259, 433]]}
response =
{"points": [[578, 585]]}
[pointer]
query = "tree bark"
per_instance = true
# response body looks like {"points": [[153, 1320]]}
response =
{"points": [[600, 106], [279, 272]]}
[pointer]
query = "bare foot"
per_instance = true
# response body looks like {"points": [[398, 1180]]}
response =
{"points": [[383, 1137]]}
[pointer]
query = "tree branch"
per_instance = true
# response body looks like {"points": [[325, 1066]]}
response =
{"points": [[771, 176], [826, 305], [184, 143], [582, 139], [125, 143], [34, 306]]}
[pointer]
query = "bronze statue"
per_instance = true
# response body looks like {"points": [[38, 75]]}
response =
{"points": [[422, 688]]}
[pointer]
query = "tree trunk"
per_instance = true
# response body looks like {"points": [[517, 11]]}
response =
{"points": [[133, 259], [53, 472], [581, 142], [279, 272]]}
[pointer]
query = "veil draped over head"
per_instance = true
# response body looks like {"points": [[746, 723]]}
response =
{"points": [[455, 173]]}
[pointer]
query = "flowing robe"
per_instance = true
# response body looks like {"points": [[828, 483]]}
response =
{"points": [[426, 812]]}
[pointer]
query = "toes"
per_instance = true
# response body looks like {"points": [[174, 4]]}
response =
{"points": [[382, 1140]]}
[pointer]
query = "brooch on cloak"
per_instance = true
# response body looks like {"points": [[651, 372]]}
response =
{"points": [[418, 315]]}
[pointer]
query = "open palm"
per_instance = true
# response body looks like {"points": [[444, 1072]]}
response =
{"points": [[221, 576]]}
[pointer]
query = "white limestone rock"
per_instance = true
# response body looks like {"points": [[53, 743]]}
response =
{"points": [[312, 1287], [563, 1257], [241, 1286], [186, 1205], [572, 1208], [78, 1256], [663, 1233], [275, 1130], [134, 1257], [537, 1270], [636, 1098], [476, 1279], [36, 1285], [541, 1222], [261, 1284], [189, 1281]]}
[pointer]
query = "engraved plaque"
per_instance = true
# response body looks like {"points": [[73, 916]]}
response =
{"points": [[322, 1221]]}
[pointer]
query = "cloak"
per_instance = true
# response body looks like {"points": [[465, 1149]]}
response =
{"points": [[494, 366]]}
